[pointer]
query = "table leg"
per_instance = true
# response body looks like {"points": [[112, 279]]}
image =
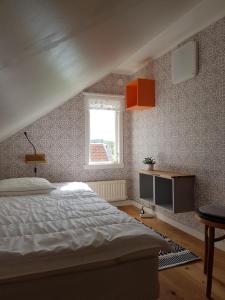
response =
{"points": [[210, 261], [206, 248]]}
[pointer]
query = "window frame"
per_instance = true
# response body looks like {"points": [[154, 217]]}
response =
{"points": [[119, 133]]}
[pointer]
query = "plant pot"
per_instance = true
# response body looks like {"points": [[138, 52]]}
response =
{"points": [[151, 167]]}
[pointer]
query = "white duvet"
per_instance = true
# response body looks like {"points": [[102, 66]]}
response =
{"points": [[70, 226]]}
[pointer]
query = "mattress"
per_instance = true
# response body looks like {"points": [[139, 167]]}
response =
{"points": [[71, 226]]}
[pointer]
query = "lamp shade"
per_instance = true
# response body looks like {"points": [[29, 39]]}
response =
{"points": [[35, 158]]}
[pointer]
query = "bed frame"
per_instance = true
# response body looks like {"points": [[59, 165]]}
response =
{"points": [[135, 279]]}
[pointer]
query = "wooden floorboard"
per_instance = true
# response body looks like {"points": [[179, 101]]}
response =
{"points": [[186, 282]]}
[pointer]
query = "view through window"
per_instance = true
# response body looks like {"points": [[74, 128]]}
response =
{"points": [[104, 130], [103, 145]]}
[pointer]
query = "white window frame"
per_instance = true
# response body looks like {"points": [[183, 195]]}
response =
{"points": [[119, 135]]}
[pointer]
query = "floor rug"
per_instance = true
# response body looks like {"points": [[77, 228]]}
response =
{"points": [[176, 257]]}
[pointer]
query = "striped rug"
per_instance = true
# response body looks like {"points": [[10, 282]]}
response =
{"points": [[176, 257]]}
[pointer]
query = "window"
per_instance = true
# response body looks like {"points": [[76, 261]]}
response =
{"points": [[104, 131]]}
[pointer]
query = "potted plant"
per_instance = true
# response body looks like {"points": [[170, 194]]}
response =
{"points": [[149, 161]]}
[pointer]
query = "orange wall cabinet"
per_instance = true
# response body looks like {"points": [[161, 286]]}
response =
{"points": [[140, 94]]}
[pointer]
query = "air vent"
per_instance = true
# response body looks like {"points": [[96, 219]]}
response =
{"points": [[184, 62]]}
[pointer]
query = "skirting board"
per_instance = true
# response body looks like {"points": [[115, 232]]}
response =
{"points": [[122, 203], [195, 233]]}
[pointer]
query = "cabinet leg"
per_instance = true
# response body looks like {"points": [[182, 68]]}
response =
{"points": [[206, 248], [210, 261]]}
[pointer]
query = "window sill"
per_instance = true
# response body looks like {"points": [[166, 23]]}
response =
{"points": [[104, 166]]}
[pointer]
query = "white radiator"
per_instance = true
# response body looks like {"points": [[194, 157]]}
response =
{"points": [[114, 190]]}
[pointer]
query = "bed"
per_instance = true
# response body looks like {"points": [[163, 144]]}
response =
{"points": [[71, 244]]}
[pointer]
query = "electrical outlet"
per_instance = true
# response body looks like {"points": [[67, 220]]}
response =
{"points": [[152, 206]]}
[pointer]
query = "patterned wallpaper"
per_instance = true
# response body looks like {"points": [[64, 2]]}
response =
{"points": [[186, 130], [61, 136]]}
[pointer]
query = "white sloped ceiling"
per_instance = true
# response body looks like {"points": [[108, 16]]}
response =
{"points": [[52, 49]]}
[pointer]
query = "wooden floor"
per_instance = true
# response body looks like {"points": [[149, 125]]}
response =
{"points": [[188, 281]]}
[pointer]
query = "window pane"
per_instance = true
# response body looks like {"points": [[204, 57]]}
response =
{"points": [[103, 136]]}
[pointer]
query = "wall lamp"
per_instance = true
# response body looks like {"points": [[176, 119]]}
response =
{"points": [[34, 158]]}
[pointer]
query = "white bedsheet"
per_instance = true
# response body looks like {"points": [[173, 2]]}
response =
{"points": [[70, 226]]}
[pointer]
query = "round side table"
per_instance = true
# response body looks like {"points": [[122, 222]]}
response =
{"points": [[212, 216]]}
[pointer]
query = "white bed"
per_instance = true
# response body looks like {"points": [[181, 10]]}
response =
{"points": [[72, 243]]}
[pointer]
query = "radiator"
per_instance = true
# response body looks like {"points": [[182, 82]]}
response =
{"points": [[114, 190]]}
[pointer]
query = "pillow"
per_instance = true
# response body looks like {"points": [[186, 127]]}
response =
{"points": [[25, 186]]}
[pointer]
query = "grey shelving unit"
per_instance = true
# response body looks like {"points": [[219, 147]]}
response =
{"points": [[171, 190]]}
